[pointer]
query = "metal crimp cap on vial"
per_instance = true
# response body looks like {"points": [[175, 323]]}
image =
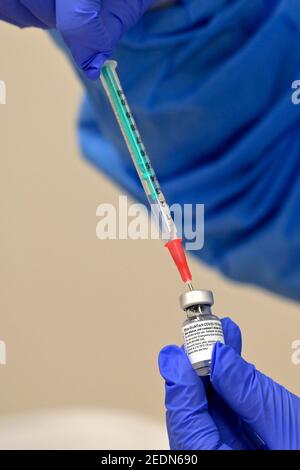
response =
{"points": [[196, 297]]}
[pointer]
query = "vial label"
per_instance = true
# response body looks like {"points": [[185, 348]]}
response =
{"points": [[200, 337]]}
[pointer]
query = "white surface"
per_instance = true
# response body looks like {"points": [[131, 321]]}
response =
{"points": [[81, 429]]}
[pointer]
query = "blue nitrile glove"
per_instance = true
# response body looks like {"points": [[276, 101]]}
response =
{"points": [[90, 28], [241, 408]]}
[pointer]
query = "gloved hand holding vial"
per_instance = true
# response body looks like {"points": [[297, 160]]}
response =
{"points": [[238, 408]]}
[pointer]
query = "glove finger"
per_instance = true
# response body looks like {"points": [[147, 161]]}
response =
{"points": [[44, 10], [189, 424], [82, 26], [263, 404], [232, 334], [92, 28], [15, 13], [227, 421]]}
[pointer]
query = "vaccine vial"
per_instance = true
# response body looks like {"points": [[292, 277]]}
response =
{"points": [[201, 330]]}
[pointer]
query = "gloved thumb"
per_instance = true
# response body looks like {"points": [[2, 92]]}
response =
{"points": [[189, 423], [267, 407], [92, 28]]}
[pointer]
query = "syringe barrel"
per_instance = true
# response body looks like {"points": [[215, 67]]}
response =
{"points": [[137, 150]]}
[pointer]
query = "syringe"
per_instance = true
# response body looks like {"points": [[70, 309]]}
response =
{"points": [[159, 206]]}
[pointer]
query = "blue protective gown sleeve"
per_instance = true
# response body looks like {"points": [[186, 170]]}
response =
{"points": [[212, 97], [239, 408]]}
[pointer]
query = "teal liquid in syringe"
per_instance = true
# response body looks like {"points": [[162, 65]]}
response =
{"points": [[159, 206]]}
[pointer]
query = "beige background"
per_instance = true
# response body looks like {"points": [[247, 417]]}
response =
{"points": [[84, 320]]}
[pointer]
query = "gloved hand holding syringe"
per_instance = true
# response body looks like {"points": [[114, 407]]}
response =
{"points": [[201, 330]]}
